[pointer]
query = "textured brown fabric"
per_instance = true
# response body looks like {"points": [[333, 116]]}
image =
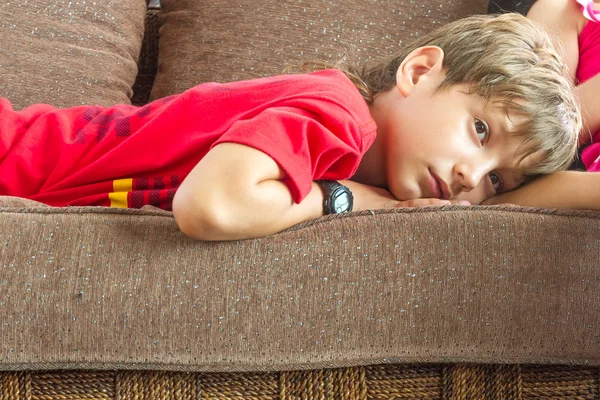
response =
{"points": [[225, 40], [68, 53], [99, 288], [378, 382], [10, 201]]}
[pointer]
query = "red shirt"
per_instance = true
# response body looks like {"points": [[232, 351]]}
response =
{"points": [[315, 126]]}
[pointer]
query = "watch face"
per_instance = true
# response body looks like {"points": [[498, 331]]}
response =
{"points": [[341, 200]]}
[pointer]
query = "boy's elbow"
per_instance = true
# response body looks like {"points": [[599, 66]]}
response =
{"points": [[202, 219]]}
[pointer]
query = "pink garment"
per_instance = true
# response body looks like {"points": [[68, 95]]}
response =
{"points": [[588, 10], [589, 66]]}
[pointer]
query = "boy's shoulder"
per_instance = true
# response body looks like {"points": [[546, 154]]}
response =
{"points": [[324, 91], [322, 81]]}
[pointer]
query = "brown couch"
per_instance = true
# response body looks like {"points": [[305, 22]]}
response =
{"points": [[454, 302]]}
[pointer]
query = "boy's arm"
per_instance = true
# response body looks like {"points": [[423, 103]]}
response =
{"points": [[565, 189], [235, 192]]}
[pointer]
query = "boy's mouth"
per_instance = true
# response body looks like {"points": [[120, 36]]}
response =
{"points": [[439, 187]]}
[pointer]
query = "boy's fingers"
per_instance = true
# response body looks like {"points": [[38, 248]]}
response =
{"points": [[431, 202], [461, 202], [423, 202]]}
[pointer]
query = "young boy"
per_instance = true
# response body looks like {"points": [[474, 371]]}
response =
{"points": [[575, 25], [469, 110]]}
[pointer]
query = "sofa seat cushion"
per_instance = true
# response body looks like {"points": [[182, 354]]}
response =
{"points": [[99, 288], [69, 53]]}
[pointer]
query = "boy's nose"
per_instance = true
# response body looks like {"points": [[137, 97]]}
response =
{"points": [[467, 175]]}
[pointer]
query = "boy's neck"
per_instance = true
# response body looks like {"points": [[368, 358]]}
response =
{"points": [[372, 168]]}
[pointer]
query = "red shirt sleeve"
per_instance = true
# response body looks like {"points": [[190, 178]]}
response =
{"points": [[307, 142]]}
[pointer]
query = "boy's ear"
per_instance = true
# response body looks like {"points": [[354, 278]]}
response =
{"points": [[422, 63]]}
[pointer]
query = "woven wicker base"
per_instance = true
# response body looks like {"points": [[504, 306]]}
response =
{"points": [[372, 382]]}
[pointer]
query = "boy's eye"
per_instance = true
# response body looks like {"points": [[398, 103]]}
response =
{"points": [[481, 129], [496, 181]]}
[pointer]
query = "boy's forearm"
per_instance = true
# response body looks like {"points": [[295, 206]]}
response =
{"points": [[236, 192], [567, 189], [265, 209]]}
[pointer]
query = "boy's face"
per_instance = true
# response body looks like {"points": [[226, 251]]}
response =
{"points": [[447, 144]]}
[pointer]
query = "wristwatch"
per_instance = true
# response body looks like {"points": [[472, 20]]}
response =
{"points": [[337, 197]]}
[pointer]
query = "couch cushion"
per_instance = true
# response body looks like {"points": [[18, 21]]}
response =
{"points": [[67, 52], [120, 288], [225, 40]]}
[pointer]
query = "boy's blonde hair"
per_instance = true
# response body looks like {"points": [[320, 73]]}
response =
{"points": [[510, 61]]}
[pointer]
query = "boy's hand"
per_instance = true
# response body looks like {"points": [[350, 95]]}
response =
{"points": [[431, 202], [372, 198]]}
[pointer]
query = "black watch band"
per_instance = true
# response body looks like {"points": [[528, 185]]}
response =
{"points": [[337, 198]]}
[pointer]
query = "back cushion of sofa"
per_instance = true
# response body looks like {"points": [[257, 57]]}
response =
{"points": [[226, 40], [67, 53]]}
